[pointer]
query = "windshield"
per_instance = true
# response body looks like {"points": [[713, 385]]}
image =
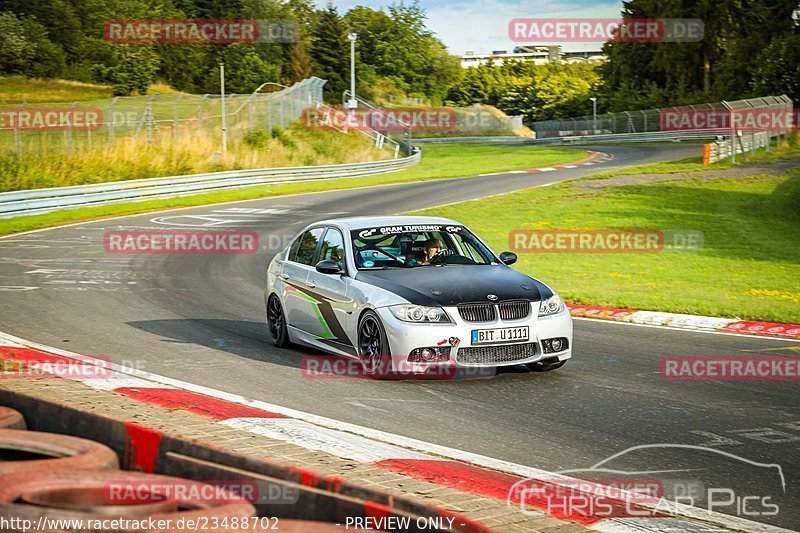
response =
{"points": [[414, 246]]}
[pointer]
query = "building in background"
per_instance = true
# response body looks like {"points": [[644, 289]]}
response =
{"points": [[538, 54]]}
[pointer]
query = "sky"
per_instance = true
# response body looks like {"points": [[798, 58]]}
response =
{"points": [[482, 26]]}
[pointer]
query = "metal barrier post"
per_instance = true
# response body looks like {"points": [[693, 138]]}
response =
{"points": [[200, 112], [69, 126], [733, 132], [17, 137], [176, 117], [111, 121]]}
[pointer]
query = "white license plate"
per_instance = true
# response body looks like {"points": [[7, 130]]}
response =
{"points": [[500, 335]]}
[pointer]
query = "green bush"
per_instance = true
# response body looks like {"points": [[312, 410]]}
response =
{"points": [[283, 138], [257, 138]]}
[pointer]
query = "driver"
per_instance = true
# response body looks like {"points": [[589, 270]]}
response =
{"points": [[432, 249]]}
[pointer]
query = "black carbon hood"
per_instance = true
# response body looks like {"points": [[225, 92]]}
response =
{"points": [[454, 284]]}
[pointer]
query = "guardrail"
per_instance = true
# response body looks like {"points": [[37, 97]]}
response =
{"points": [[610, 138], [38, 201], [475, 140]]}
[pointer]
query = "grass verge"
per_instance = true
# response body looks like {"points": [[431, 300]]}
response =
{"points": [[442, 161], [125, 161], [749, 266]]}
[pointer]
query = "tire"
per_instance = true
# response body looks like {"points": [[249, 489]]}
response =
{"points": [[84, 495], [62, 451], [544, 366], [373, 347], [276, 322], [11, 419]]}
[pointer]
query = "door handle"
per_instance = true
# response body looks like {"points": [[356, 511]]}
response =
{"points": [[310, 284], [284, 277]]}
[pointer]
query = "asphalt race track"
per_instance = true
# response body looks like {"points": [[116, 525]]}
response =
{"points": [[200, 318]]}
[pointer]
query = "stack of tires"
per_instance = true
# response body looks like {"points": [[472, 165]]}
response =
{"points": [[60, 483]]}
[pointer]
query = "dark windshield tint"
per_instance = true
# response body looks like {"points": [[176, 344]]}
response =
{"points": [[411, 246]]}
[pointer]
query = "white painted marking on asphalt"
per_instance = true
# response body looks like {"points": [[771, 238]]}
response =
{"points": [[330, 441], [118, 380], [17, 288], [678, 320], [520, 171], [570, 166], [547, 169]]}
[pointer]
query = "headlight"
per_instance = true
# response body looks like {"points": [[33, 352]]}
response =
{"points": [[419, 313], [551, 306]]}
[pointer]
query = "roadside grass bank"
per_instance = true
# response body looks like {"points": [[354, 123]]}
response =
{"points": [[441, 161], [748, 266], [126, 160], [19, 89]]}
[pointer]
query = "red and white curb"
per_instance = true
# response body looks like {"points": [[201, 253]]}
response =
{"points": [[597, 158], [690, 322], [447, 467]]}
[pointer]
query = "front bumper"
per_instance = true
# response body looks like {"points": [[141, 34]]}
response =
{"points": [[404, 337]]}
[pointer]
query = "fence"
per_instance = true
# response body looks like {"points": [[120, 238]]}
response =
{"points": [[654, 120], [724, 148], [154, 118]]}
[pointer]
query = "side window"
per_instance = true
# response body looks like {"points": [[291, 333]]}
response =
{"points": [[306, 246], [293, 250], [332, 247]]}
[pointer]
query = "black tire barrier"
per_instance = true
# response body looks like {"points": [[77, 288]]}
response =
{"points": [[34, 451], [115, 500], [11, 419]]}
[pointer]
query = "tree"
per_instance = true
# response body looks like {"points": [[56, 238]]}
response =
{"points": [[16, 51], [716, 67], [330, 53], [135, 69], [298, 61], [778, 70]]}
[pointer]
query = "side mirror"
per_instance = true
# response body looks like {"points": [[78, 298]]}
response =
{"points": [[329, 267], [508, 258]]}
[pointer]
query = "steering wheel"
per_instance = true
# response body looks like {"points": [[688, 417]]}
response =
{"points": [[441, 257]]}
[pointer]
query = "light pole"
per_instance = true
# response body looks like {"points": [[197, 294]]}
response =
{"points": [[222, 105], [353, 103], [594, 113]]}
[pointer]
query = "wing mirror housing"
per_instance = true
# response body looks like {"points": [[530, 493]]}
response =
{"points": [[329, 267], [508, 258]]}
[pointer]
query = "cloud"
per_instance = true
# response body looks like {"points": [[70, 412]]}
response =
{"points": [[483, 26]]}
